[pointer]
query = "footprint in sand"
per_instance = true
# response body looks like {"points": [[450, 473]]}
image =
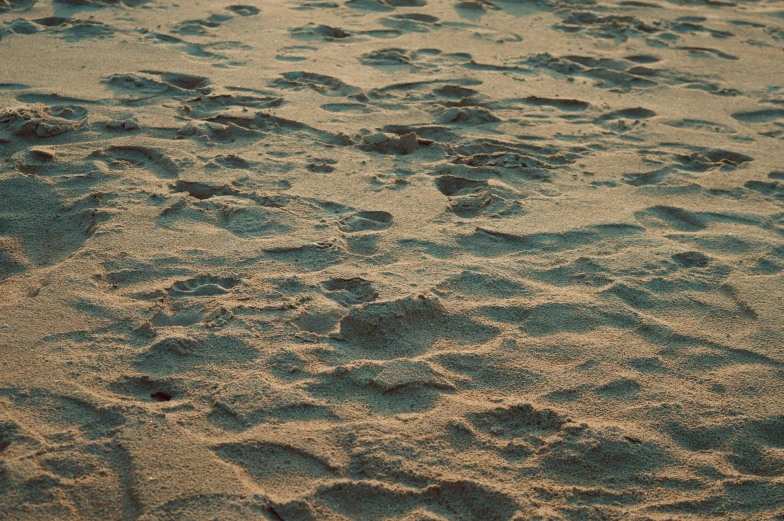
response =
{"points": [[365, 221]]}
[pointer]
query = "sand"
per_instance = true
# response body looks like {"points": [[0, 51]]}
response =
{"points": [[414, 260]]}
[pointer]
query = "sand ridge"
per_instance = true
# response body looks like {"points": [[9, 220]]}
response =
{"points": [[391, 260]]}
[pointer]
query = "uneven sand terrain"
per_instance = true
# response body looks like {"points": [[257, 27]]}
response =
{"points": [[377, 260]]}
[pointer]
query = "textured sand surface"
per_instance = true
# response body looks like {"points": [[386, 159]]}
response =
{"points": [[414, 260]]}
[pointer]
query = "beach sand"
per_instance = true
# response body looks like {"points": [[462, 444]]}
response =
{"points": [[414, 260]]}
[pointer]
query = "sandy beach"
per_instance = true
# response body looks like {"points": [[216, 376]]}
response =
{"points": [[391, 260]]}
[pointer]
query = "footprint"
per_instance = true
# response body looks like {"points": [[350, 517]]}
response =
{"points": [[294, 53], [321, 168], [307, 6], [691, 259], [251, 398], [631, 113], [643, 59], [210, 105], [452, 186], [326, 85], [151, 84], [671, 217], [12, 257], [104, 3], [244, 10], [491, 243], [384, 5], [347, 108], [68, 224], [311, 31], [455, 92], [201, 191], [273, 464], [13, 86], [52, 21], [155, 160], [146, 388], [39, 121], [12, 5], [183, 81], [703, 160], [403, 327], [470, 198], [201, 27], [621, 389], [703, 52], [349, 292], [382, 33], [565, 104], [174, 344], [699, 124], [207, 285], [517, 421], [366, 221], [467, 116], [759, 116]]}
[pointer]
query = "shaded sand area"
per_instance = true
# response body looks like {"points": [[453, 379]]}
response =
{"points": [[377, 260]]}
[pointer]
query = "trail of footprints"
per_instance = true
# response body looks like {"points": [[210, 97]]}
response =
{"points": [[346, 337]]}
